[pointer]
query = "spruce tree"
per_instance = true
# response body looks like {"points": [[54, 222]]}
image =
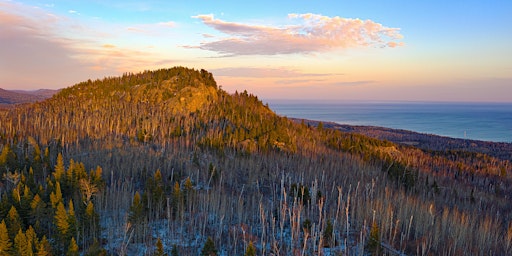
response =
{"points": [[59, 168], [209, 248], [43, 247], [251, 250], [174, 251], [14, 223], [159, 251], [22, 245], [73, 248], [5, 242]]}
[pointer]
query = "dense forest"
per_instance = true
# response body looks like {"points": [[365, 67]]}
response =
{"points": [[167, 163]]}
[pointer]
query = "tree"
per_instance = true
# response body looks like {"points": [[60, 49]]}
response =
{"points": [[374, 242], [5, 242], [174, 251], [209, 248], [43, 247], [56, 197], [14, 223], [73, 248], [251, 250], [159, 251], [328, 232], [61, 221], [91, 223], [136, 215], [59, 168], [73, 224], [22, 245]]}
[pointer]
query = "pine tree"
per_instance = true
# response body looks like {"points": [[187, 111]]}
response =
{"points": [[374, 242], [174, 251], [61, 221], [14, 223], [72, 219], [5, 242], [251, 250], [91, 223], [22, 245], [59, 168], [328, 232], [159, 251], [136, 216], [56, 197], [73, 248], [209, 248], [32, 240], [44, 248]]}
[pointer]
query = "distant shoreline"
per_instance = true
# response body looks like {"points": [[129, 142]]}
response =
{"points": [[429, 142]]}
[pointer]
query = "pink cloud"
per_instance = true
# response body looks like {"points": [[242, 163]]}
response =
{"points": [[264, 72], [312, 33]]}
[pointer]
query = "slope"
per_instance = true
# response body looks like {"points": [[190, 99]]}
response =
{"points": [[182, 160]]}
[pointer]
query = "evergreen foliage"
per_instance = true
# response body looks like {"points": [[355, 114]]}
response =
{"points": [[172, 154], [209, 248], [5, 242], [251, 250]]}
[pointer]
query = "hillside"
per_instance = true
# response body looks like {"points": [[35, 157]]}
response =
{"points": [[9, 98], [427, 142], [166, 159]]}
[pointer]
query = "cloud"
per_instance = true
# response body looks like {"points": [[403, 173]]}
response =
{"points": [[310, 33], [262, 72], [354, 83], [41, 49], [323, 83], [170, 24], [153, 29], [29, 54]]}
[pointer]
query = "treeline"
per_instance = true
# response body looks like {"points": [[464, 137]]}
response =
{"points": [[187, 168], [51, 214]]}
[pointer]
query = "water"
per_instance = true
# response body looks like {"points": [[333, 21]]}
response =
{"points": [[478, 121]]}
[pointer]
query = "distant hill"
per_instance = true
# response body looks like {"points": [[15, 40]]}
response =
{"points": [[428, 142], [11, 97]]}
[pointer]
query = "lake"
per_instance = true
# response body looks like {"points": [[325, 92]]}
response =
{"points": [[477, 121]]}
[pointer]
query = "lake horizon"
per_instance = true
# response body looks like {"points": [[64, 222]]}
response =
{"points": [[485, 121]]}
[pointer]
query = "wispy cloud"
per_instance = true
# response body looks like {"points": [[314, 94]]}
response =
{"points": [[310, 33], [57, 50], [263, 72]]}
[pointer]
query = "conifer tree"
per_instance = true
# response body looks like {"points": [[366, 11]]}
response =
{"points": [[14, 223], [174, 251], [136, 215], [159, 251], [91, 222], [73, 248], [5, 242], [38, 214], [59, 168], [61, 220], [328, 233], [374, 241], [56, 196], [251, 250], [73, 224], [44, 247], [209, 248], [31, 236], [22, 245]]}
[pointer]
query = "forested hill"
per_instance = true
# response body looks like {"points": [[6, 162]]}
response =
{"points": [[8, 98], [166, 161]]}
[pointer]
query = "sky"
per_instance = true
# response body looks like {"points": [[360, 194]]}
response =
{"points": [[396, 50]]}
